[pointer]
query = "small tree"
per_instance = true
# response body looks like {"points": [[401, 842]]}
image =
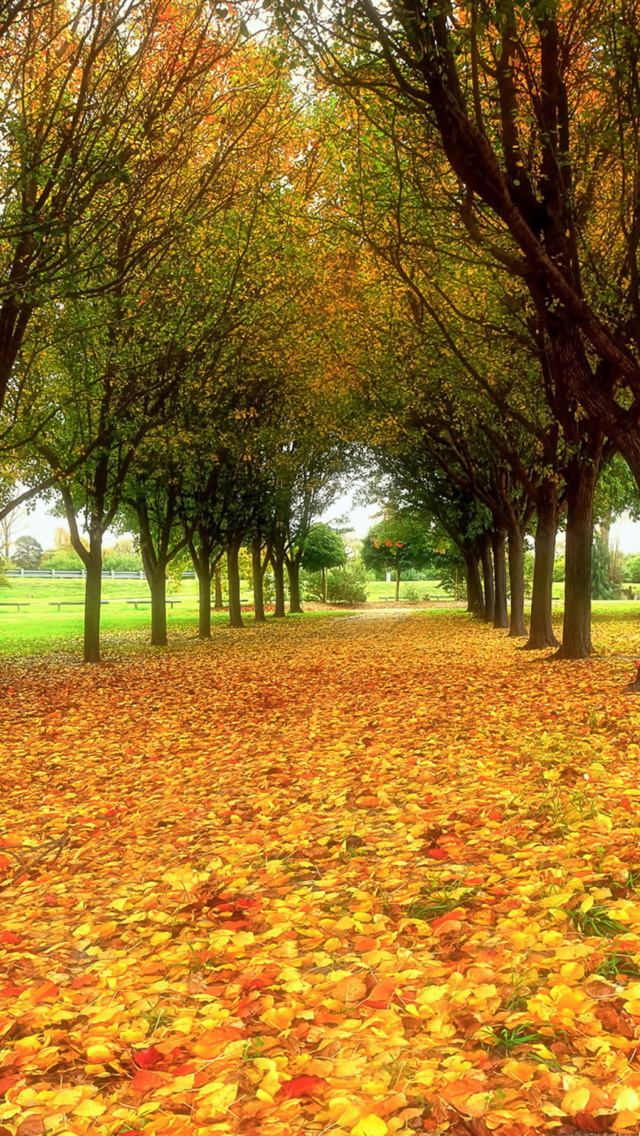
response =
{"points": [[324, 548], [27, 552], [394, 543]]}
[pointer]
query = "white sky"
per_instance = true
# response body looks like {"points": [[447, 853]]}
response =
{"points": [[41, 524]]}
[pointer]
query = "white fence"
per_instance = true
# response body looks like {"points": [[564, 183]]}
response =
{"points": [[79, 574]]}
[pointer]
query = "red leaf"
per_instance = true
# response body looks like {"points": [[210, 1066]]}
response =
{"points": [[587, 1122], [437, 854], [625, 803], [302, 1086], [145, 1080], [31, 1126], [147, 1058], [9, 937]]}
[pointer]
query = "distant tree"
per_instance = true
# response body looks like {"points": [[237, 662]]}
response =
{"points": [[323, 548], [27, 552], [394, 543], [600, 582]]}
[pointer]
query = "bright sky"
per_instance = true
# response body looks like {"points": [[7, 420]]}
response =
{"points": [[41, 524]]}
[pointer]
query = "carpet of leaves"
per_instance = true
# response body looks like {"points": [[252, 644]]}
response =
{"points": [[354, 876]]}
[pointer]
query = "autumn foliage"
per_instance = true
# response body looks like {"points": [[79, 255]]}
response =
{"points": [[362, 874]]}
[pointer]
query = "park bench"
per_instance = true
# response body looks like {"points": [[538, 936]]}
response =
{"points": [[71, 603], [14, 603], [143, 602]]}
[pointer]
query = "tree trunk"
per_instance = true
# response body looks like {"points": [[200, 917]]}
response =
{"points": [[500, 612], [218, 602], [233, 576], [487, 578], [92, 597], [277, 563], [541, 630], [475, 599], [201, 560], [293, 569], [576, 628], [517, 627], [204, 597], [397, 582], [258, 590], [157, 582]]}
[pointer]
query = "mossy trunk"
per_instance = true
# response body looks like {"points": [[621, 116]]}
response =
{"points": [[517, 627], [541, 632], [233, 576], [500, 612]]}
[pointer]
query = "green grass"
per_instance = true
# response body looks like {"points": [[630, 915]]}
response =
{"points": [[379, 589]]}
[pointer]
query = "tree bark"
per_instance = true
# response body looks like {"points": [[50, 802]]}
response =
{"points": [[487, 578], [218, 602], [541, 632], [92, 598], [293, 569], [204, 612], [500, 613], [576, 628], [258, 590], [475, 599], [158, 587], [277, 563], [517, 627], [233, 575], [201, 560]]}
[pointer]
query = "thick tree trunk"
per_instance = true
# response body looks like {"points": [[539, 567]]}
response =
{"points": [[475, 599], [500, 612], [157, 582], [233, 576], [576, 629], [277, 563], [517, 627], [541, 633], [204, 597], [487, 578], [201, 560], [258, 590], [92, 598], [218, 602], [295, 605]]}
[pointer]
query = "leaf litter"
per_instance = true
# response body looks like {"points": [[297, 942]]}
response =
{"points": [[330, 876]]}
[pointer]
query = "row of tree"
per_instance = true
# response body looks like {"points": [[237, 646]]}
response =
{"points": [[239, 267]]}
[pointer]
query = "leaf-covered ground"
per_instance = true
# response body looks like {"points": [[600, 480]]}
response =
{"points": [[358, 876]]}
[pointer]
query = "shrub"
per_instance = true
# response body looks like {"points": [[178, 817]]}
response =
{"points": [[61, 558], [348, 584], [632, 569]]}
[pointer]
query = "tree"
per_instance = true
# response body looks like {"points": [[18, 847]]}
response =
{"points": [[27, 552], [323, 548], [396, 542]]}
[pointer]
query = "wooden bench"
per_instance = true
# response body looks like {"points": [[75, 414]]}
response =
{"points": [[143, 602], [14, 603], [71, 603]]}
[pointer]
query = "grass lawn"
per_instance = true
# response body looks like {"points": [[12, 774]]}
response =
{"points": [[363, 877]]}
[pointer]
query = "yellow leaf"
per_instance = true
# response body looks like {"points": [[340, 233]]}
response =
{"points": [[370, 1126], [575, 1100], [627, 1101]]}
